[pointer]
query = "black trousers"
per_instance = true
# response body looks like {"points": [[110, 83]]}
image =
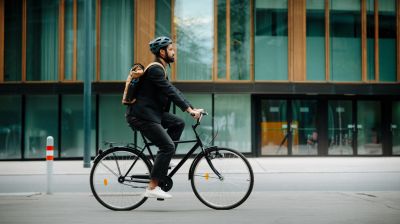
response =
{"points": [[162, 135]]}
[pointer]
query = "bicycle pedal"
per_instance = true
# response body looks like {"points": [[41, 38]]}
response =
{"points": [[160, 199]]}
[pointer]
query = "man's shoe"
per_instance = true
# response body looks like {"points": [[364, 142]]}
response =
{"points": [[156, 193]]}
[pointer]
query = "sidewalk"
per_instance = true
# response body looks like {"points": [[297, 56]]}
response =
{"points": [[259, 165]]}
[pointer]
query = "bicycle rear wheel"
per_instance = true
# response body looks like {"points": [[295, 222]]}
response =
{"points": [[235, 184], [108, 182]]}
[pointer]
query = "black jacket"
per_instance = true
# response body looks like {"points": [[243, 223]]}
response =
{"points": [[154, 96]]}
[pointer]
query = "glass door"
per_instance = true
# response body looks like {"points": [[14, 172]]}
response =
{"points": [[341, 127], [395, 127], [274, 128], [369, 132], [303, 127]]}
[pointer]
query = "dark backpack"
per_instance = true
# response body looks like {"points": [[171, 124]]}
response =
{"points": [[132, 82]]}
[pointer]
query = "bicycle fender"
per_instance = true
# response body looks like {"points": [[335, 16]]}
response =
{"points": [[198, 157]]}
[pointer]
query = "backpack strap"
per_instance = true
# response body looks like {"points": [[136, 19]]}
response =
{"points": [[156, 63]]}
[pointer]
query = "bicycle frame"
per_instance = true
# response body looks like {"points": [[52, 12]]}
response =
{"points": [[198, 144]]}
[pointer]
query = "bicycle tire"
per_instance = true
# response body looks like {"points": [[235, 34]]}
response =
{"points": [[105, 183], [229, 192]]}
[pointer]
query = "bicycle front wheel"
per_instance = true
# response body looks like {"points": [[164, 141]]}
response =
{"points": [[119, 177], [222, 178]]}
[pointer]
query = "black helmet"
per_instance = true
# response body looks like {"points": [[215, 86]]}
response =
{"points": [[158, 43]]}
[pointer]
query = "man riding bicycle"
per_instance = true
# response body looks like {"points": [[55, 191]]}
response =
{"points": [[150, 113]]}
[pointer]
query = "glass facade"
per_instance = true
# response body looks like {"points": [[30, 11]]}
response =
{"points": [[194, 27], [315, 31], [304, 127], [345, 40], [112, 124], [41, 117], [12, 40], [10, 127], [163, 18], [340, 127], [369, 133], [274, 127], [116, 39], [271, 40], [72, 130], [42, 40], [288, 124], [387, 40], [232, 120]]}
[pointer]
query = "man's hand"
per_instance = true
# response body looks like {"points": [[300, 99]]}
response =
{"points": [[196, 113]]}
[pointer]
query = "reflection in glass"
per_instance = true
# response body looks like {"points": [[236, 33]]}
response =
{"points": [[221, 39], [163, 18], [345, 31], [274, 132], [10, 127], [395, 127], [232, 119], [304, 127], [340, 128], [41, 121], [12, 40], [240, 39], [72, 130], [194, 26], [116, 39], [112, 124], [42, 40], [68, 39], [370, 40], [315, 40], [204, 130], [369, 136], [387, 40], [271, 40]]}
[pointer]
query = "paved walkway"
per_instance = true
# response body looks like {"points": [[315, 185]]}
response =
{"points": [[260, 165]]}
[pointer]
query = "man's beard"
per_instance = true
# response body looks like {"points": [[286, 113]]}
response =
{"points": [[170, 59]]}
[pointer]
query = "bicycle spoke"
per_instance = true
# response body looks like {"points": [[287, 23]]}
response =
{"points": [[116, 161], [108, 168]]}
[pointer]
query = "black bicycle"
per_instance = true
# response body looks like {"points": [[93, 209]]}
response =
{"points": [[221, 178]]}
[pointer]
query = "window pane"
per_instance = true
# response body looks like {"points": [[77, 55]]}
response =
{"points": [[370, 40], [10, 127], [112, 124], [315, 40], [345, 31], [163, 18], [240, 39], [116, 39], [12, 40], [395, 127], [271, 40], [41, 121], [72, 129], [369, 136], [340, 127], [387, 40], [68, 39], [204, 130], [232, 119], [194, 26], [304, 127], [42, 40], [274, 127], [81, 45], [222, 39]]}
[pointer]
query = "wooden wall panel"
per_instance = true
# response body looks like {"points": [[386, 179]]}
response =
{"points": [[364, 41], [144, 30], [398, 39], [327, 45], [23, 46], [2, 40], [297, 40], [61, 41]]}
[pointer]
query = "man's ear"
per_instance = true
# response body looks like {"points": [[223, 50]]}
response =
{"points": [[162, 52]]}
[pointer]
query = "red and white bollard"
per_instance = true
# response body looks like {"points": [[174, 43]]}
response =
{"points": [[49, 160]]}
